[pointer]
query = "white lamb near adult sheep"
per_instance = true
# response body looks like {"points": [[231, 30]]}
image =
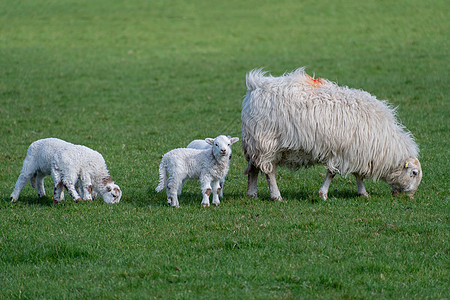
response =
{"points": [[209, 166], [77, 168], [296, 120], [203, 145]]}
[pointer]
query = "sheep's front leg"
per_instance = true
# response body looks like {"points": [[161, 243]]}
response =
{"points": [[70, 186], [323, 191], [216, 191], [273, 187], [205, 183], [360, 185], [252, 172]]}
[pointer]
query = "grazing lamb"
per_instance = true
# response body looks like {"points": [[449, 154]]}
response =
{"points": [[202, 145], [296, 120], [82, 171], [209, 166]]}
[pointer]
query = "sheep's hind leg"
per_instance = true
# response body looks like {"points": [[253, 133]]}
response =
{"points": [[323, 191], [172, 190], [40, 184], [20, 184], [273, 187], [360, 185], [252, 172]]}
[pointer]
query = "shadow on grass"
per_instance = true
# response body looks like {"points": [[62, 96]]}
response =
{"points": [[31, 200]]}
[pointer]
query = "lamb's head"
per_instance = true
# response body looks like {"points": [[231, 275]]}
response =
{"points": [[111, 193], [406, 177], [221, 146]]}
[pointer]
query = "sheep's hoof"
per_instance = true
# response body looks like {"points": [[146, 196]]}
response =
{"points": [[323, 196], [78, 200], [55, 202], [252, 195], [366, 195], [205, 204], [278, 198], [216, 204], [12, 200]]}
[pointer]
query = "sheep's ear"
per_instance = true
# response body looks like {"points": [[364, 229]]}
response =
{"points": [[410, 165], [108, 188], [209, 141], [234, 140]]}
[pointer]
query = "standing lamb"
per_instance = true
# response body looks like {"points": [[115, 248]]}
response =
{"points": [[74, 167], [202, 145], [296, 120], [209, 166]]}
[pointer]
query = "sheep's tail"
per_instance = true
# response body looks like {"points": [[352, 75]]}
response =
{"points": [[162, 176]]}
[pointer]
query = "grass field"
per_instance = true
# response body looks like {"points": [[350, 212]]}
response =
{"points": [[134, 79]]}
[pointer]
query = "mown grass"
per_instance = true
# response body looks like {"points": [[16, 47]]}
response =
{"points": [[135, 79]]}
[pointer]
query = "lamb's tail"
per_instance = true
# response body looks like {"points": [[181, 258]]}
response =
{"points": [[162, 176]]}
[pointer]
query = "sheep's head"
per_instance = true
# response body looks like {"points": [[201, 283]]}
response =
{"points": [[112, 193], [221, 146], [406, 178]]}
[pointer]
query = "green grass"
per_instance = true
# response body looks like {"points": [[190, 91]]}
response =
{"points": [[134, 79]]}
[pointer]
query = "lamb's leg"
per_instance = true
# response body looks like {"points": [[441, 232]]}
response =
{"points": [[221, 183], [70, 186], [205, 184], [20, 184], [87, 192], [216, 190], [252, 172], [172, 188], [180, 188], [58, 192], [273, 187], [84, 187], [361, 188], [323, 191], [40, 184]]}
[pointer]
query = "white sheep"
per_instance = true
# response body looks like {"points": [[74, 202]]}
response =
{"points": [[209, 166], [296, 120], [203, 145], [82, 171]]}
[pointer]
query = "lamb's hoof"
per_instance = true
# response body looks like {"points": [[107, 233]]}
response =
{"points": [[55, 202], [366, 195], [216, 204], [78, 200], [13, 200], [323, 196], [277, 199], [252, 195], [205, 204]]}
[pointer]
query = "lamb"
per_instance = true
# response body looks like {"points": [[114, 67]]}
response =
{"points": [[298, 121], [82, 171], [209, 166], [202, 144]]}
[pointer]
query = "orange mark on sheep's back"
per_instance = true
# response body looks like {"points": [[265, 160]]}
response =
{"points": [[315, 82]]}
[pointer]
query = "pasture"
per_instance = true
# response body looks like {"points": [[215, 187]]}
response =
{"points": [[135, 79]]}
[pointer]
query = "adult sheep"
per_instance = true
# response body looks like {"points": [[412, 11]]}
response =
{"points": [[296, 120]]}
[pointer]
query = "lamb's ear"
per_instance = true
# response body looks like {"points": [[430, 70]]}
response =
{"points": [[108, 188], [234, 140], [209, 141]]}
